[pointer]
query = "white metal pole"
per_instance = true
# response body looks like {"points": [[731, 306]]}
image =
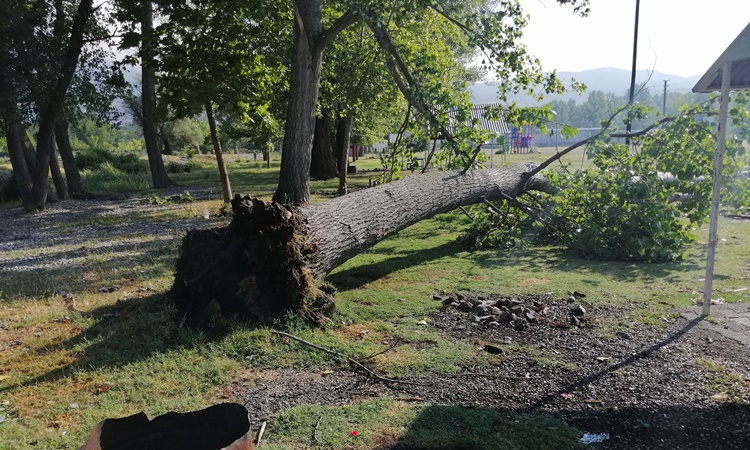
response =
{"points": [[716, 194]]}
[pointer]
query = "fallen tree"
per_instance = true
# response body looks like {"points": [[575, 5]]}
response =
{"points": [[273, 258]]}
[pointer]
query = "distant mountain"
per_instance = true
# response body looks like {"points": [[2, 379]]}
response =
{"points": [[607, 79]]}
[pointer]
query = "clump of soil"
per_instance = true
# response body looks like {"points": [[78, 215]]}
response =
{"points": [[682, 386]]}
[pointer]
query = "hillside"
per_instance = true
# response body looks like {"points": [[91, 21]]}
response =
{"points": [[604, 79]]}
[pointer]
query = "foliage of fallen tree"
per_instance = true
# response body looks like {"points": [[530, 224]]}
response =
{"points": [[636, 203]]}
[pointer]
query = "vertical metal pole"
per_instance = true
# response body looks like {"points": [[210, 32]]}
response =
{"points": [[664, 106], [632, 72], [716, 194]]}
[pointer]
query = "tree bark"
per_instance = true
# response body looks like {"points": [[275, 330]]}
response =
{"points": [[51, 110], [273, 258], [58, 179], [159, 175], [304, 84], [323, 164], [343, 136], [226, 189], [21, 172], [72, 174]]}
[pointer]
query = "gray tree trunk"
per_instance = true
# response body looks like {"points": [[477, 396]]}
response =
{"points": [[45, 145], [159, 175], [58, 179], [304, 84], [226, 189], [343, 137], [273, 258], [323, 163], [72, 174]]}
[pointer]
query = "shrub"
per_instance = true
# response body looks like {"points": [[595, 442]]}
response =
{"points": [[93, 159]]}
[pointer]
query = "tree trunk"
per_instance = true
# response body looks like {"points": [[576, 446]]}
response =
{"points": [[31, 156], [148, 95], [304, 83], [58, 179], [45, 145], [323, 163], [226, 189], [21, 172], [72, 174], [343, 136], [273, 258]]}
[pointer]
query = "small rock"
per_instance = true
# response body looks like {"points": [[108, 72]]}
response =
{"points": [[575, 321], [518, 309], [577, 294], [622, 335], [422, 322], [465, 307], [572, 299], [73, 406], [437, 297], [504, 303], [481, 310], [505, 317], [493, 349], [493, 324], [519, 325], [528, 315], [459, 297], [578, 310], [495, 311]]}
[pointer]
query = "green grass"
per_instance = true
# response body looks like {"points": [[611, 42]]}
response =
{"points": [[383, 422], [127, 350]]}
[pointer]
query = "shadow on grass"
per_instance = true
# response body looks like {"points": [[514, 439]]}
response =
{"points": [[358, 276], [545, 259], [129, 331], [666, 427]]}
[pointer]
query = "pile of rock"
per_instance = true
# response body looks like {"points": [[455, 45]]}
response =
{"points": [[491, 311]]}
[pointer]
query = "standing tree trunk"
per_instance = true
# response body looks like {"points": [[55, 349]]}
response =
{"points": [[294, 179], [12, 127], [323, 163], [52, 108], [72, 174], [343, 136], [159, 175], [226, 189], [273, 258], [58, 179], [31, 155], [21, 172]]}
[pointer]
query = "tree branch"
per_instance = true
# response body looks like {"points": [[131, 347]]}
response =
{"points": [[403, 78], [559, 155], [347, 19], [353, 361]]}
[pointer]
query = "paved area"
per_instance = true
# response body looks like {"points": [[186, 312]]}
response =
{"points": [[731, 320]]}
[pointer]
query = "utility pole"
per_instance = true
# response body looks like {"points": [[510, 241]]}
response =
{"points": [[664, 107], [632, 73]]}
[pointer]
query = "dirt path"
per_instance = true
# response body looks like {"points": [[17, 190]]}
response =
{"points": [[683, 387]]}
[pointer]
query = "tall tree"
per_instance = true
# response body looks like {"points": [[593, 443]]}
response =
{"points": [[216, 53], [494, 27], [159, 175]]}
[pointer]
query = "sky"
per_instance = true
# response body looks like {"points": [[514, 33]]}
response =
{"points": [[676, 37]]}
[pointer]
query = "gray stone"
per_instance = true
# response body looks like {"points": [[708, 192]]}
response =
{"points": [[578, 310]]}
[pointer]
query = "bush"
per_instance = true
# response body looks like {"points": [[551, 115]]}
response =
{"points": [[93, 159]]}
